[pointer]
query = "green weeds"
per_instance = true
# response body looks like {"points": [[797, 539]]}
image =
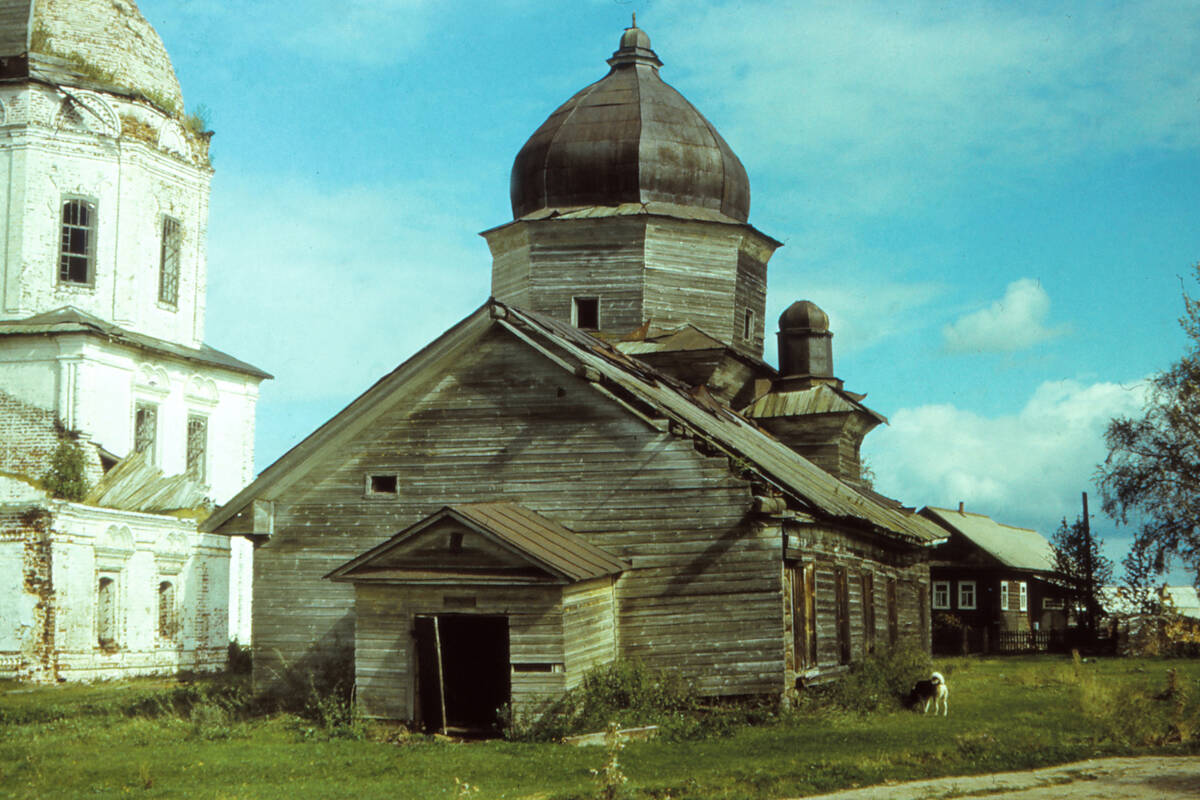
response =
{"points": [[212, 739]]}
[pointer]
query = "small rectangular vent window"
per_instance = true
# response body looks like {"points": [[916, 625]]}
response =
{"points": [[748, 325], [383, 485], [585, 313], [538, 666]]}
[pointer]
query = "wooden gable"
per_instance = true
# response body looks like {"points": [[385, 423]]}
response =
{"points": [[492, 543]]}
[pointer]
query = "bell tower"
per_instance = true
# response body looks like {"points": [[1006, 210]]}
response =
{"points": [[630, 212]]}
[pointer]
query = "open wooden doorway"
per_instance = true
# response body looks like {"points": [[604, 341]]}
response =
{"points": [[462, 672]]}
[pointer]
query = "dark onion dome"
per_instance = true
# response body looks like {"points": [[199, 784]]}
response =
{"points": [[804, 315], [629, 138]]}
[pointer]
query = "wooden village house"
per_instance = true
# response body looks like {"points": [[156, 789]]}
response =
{"points": [[993, 583], [596, 464]]}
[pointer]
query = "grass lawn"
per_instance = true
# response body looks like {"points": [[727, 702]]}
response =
{"points": [[122, 739]]}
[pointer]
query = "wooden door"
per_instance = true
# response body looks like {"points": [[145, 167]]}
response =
{"points": [[868, 612], [802, 580], [893, 612], [842, 590]]}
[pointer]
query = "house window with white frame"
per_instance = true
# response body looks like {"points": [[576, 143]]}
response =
{"points": [[1023, 589], [941, 594], [966, 595], [77, 244], [168, 262], [1004, 595]]}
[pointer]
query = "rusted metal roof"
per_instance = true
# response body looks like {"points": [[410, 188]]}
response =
{"points": [[69, 319], [543, 541], [1020, 548], [629, 138]]}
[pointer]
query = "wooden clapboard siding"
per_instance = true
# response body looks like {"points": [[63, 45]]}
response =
{"points": [[750, 294], [541, 265], [642, 267], [502, 423], [385, 648], [589, 627], [830, 550], [691, 276]]}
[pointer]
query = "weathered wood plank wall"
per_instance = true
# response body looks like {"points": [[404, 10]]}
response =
{"points": [[385, 648], [505, 424], [830, 550]]}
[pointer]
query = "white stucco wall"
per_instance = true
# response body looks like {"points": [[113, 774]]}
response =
{"points": [[138, 552], [138, 165], [48, 154], [94, 386]]}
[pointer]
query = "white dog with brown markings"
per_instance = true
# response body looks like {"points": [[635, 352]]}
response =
{"points": [[932, 692]]}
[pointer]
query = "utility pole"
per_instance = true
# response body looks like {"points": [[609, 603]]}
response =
{"points": [[1089, 575]]}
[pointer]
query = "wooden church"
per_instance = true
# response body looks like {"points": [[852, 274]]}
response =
{"points": [[597, 464]]}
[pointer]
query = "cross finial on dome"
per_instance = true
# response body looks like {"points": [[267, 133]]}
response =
{"points": [[634, 48]]}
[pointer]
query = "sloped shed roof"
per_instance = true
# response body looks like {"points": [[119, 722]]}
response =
{"points": [[1020, 548], [823, 493]]}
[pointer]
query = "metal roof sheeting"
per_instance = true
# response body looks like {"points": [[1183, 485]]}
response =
{"points": [[69, 319], [820, 399], [629, 138], [633, 383], [542, 540], [823, 493], [1020, 548]]}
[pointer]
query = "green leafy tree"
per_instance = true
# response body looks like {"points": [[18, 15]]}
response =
{"points": [[1077, 554], [67, 477], [1152, 473]]}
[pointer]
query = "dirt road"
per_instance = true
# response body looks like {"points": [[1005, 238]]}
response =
{"points": [[1150, 778]]}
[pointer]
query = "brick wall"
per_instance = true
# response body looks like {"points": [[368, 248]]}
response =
{"points": [[28, 438]]}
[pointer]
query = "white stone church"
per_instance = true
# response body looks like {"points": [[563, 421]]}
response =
{"points": [[103, 215]]}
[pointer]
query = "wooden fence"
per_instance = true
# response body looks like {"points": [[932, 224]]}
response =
{"points": [[988, 641]]}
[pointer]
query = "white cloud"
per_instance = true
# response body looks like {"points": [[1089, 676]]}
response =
{"points": [[891, 103], [1026, 468], [1015, 322]]}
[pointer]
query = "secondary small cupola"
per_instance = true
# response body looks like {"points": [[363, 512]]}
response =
{"points": [[807, 408], [805, 343]]}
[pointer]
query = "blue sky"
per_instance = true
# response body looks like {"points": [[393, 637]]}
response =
{"points": [[994, 201]]}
